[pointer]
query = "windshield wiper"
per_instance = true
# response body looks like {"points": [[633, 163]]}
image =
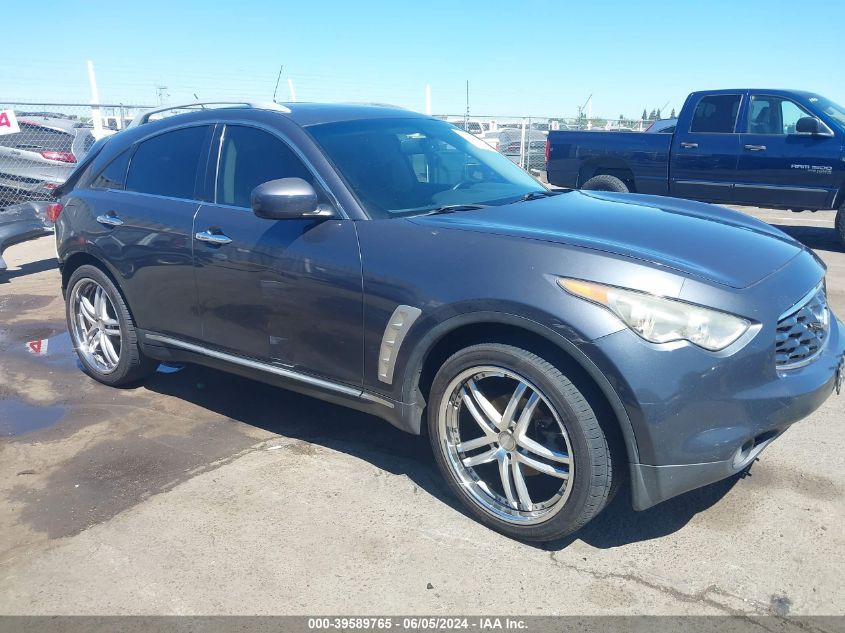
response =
{"points": [[452, 208], [536, 195]]}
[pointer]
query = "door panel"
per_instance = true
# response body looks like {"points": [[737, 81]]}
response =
{"points": [[286, 291], [705, 157], [778, 167], [281, 291], [152, 251]]}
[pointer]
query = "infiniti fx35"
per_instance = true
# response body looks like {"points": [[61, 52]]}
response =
{"points": [[554, 345]]}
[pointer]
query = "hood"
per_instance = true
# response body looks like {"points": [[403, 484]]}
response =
{"points": [[700, 240]]}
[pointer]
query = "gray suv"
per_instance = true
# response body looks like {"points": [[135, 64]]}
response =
{"points": [[553, 345]]}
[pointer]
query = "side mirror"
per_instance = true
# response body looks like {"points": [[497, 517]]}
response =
{"points": [[811, 125], [285, 199]]}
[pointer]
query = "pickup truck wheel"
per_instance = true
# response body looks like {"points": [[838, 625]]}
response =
{"points": [[102, 329], [518, 443], [840, 224], [604, 182]]}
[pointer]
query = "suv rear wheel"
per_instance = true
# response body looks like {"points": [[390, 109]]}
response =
{"points": [[518, 443], [102, 329]]}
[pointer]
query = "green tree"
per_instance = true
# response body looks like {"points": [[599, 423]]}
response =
{"points": [[645, 115], [672, 116], [658, 113]]}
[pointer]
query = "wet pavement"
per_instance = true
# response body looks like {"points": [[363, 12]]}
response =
{"points": [[203, 492]]}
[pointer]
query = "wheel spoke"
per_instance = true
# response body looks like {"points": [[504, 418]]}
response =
{"points": [[112, 331], [484, 404], [95, 341], [525, 416], [109, 352], [481, 458], [546, 469], [510, 410], [487, 425], [471, 445], [538, 449], [521, 488], [505, 474], [86, 309]]}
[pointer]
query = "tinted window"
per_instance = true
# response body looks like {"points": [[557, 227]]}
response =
{"points": [[36, 138], [250, 157], [716, 114], [401, 167], [773, 115], [166, 164], [114, 175]]}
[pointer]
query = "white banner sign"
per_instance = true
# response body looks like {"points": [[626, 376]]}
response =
{"points": [[8, 122]]}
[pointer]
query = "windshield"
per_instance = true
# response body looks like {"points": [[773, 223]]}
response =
{"points": [[831, 109], [402, 167]]}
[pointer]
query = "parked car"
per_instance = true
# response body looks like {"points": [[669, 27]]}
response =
{"points": [[556, 346], [22, 222], [41, 156], [664, 126], [473, 127], [511, 145], [766, 148]]}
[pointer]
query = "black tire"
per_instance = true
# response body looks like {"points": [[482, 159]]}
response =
{"points": [[132, 366], [604, 182], [839, 224], [592, 477]]}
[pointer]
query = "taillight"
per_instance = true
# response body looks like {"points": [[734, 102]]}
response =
{"points": [[548, 150], [62, 157], [54, 210]]}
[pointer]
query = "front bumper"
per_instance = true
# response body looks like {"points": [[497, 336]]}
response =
{"points": [[699, 418]]}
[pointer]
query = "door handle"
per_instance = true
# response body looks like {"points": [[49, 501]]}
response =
{"points": [[110, 219], [755, 148], [686, 145], [213, 238]]}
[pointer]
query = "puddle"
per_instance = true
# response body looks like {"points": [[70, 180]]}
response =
{"points": [[18, 418], [56, 349], [169, 368]]}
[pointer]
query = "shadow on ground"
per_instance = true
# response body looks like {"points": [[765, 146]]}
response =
{"points": [[369, 438], [28, 269], [821, 238]]}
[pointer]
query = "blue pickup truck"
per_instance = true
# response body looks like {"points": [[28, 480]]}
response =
{"points": [[783, 149]]}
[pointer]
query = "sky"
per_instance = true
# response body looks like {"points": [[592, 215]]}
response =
{"points": [[522, 58]]}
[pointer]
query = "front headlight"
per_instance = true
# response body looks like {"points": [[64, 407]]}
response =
{"points": [[660, 320]]}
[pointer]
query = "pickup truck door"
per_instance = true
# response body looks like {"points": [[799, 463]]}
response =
{"points": [[778, 167], [283, 292], [705, 151]]}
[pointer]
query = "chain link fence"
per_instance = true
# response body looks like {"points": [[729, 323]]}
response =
{"points": [[523, 139], [53, 137]]}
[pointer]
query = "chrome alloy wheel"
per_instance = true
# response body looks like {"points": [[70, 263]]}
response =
{"points": [[95, 327], [506, 445]]}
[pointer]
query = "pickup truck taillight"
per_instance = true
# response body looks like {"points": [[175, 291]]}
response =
{"points": [[54, 210], [62, 157]]}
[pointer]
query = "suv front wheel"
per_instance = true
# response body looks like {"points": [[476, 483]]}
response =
{"points": [[518, 443]]}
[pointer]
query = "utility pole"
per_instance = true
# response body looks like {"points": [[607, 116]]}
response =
{"points": [[466, 115], [96, 118]]}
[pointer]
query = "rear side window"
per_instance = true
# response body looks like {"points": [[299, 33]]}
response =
{"points": [[114, 174], [716, 114], [166, 165], [250, 157], [37, 138]]}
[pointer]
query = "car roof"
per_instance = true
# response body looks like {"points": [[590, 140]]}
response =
{"points": [[55, 123], [306, 114]]}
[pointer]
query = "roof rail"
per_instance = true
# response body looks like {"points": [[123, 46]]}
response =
{"points": [[144, 117]]}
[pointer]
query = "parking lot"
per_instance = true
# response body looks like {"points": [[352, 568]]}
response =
{"points": [[204, 493]]}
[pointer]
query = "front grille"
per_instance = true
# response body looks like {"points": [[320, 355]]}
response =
{"points": [[802, 332]]}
